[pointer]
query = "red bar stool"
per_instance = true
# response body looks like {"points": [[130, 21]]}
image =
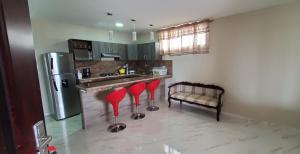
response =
{"points": [[136, 91], [114, 98], [151, 87]]}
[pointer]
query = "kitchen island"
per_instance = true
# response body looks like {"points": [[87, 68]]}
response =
{"points": [[93, 91]]}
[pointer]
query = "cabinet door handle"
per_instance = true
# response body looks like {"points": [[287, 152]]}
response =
{"points": [[51, 63]]}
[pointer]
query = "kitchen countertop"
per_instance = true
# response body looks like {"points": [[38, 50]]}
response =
{"points": [[107, 83]]}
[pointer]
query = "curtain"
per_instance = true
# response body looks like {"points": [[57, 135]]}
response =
{"points": [[185, 39]]}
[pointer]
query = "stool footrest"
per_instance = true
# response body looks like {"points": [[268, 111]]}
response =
{"points": [[152, 108], [116, 127], [137, 116]]}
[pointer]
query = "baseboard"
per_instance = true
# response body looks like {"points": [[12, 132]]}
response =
{"points": [[235, 116], [46, 114]]}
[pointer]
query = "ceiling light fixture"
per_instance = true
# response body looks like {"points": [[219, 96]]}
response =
{"points": [[134, 32], [151, 33], [119, 24]]}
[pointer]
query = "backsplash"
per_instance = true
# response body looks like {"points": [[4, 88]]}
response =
{"points": [[98, 67]]}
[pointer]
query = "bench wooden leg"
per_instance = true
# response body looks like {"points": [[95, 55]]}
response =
{"points": [[169, 100], [180, 102], [218, 113]]}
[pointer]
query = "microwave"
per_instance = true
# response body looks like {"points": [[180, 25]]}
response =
{"points": [[80, 54], [81, 49]]}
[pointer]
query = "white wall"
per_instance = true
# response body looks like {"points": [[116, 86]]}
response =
{"points": [[52, 36], [256, 57]]}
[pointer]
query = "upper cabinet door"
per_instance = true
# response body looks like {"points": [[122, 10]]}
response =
{"points": [[132, 52], [122, 50], [140, 52], [115, 48], [96, 50], [104, 47], [148, 51]]}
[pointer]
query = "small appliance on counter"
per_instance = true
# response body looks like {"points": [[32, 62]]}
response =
{"points": [[131, 72], [86, 73], [123, 69], [79, 75], [160, 70]]}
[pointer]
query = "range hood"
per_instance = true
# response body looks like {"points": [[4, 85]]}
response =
{"points": [[110, 55]]}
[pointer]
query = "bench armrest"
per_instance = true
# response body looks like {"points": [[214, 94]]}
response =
{"points": [[220, 98]]}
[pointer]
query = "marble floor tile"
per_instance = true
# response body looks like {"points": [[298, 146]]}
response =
{"points": [[181, 129]]}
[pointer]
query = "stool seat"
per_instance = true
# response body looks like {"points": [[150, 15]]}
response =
{"points": [[151, 87], [114, 98], [136, 91]]}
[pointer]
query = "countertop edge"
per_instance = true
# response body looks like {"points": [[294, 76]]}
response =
{"points": [[119, 84]]}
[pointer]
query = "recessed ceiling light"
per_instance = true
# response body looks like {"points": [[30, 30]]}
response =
{"points": [[118, 24]]}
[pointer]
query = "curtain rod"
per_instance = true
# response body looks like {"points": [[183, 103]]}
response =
{"points": [[187, 23]]}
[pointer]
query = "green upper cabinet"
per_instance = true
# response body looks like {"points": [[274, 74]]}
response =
{"points": [[106, 47], [145, 51], [148, 51], [122, 51], [132, 52], [96, 50]]}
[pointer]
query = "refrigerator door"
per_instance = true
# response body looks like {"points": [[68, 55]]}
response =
{"points": [[59, 63], [66, 96]]}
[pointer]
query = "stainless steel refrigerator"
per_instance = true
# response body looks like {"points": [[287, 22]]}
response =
{"points": [[63, 96]]}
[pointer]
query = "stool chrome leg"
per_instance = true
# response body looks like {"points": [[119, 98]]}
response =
{"points": [[137, 115], [152, 107], [116, 127]]}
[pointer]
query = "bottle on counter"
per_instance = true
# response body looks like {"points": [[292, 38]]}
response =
{"points": [[79, 74]]}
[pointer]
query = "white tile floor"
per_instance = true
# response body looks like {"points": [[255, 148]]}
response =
{"points": [[60, 130], [178, 130]]}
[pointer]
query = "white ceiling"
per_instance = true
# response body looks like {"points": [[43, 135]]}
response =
{"points": [[160, 13]]}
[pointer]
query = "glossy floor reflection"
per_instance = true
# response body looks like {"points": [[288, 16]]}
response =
{"points": [[183, 130], [60, 130]]}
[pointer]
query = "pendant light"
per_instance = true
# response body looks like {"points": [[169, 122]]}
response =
{"points": [[110, 32], [110, 35], [151, 33], [134, 32]]}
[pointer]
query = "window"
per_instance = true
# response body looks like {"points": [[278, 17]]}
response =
{"points": [[185, 39]]}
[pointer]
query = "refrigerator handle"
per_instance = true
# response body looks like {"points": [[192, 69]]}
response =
{"points": [[51, 63], [54, 84]]}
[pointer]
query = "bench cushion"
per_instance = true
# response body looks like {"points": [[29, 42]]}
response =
{"points": [[196, 98]]}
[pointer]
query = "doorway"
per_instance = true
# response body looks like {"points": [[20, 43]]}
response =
{"points": [[54, 86]]}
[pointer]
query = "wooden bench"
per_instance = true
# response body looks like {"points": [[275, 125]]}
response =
{"points": [[197, 93]]}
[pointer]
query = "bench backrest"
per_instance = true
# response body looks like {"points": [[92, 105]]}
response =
{"points": [[196, 88]]}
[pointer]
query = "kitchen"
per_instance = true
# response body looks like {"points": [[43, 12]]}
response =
{"points": [[99, 67], [98, 55], [149, 76]]}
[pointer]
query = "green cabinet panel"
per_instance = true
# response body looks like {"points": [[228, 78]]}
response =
{"points": [[145, 51], [122, 51], [132, 51], [148, 51], [106, 47], [96, 50]]}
